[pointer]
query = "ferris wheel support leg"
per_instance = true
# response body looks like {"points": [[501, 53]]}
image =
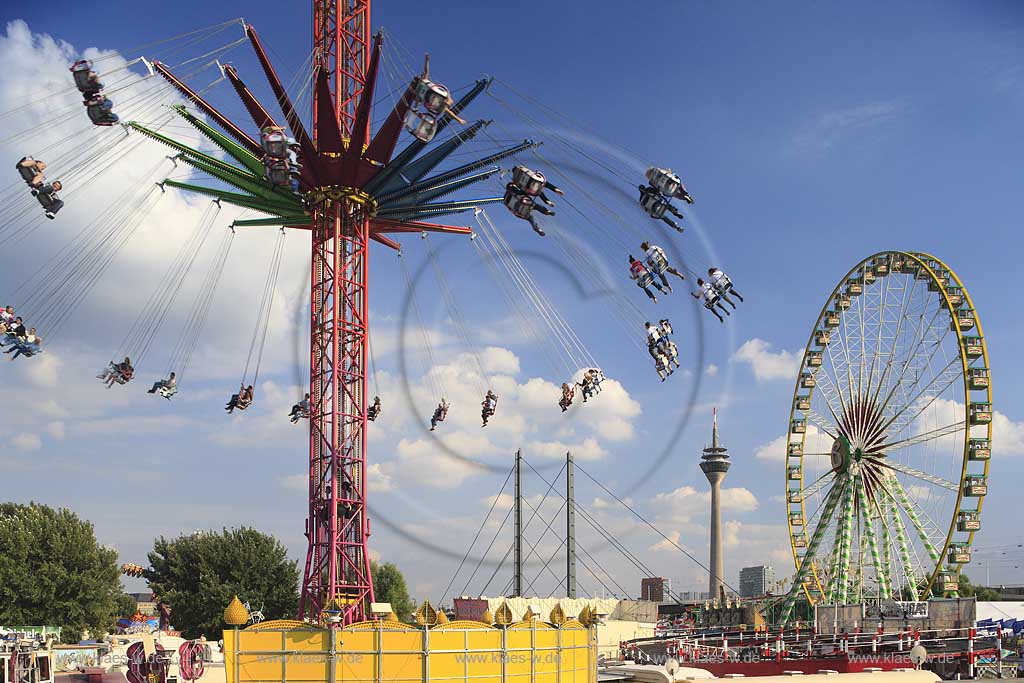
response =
{"points": [[844, 542], [869, 528], [812, 548], [902, 545]]}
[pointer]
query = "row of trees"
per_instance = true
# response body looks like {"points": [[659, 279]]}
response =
{"points": [[54, 572]]}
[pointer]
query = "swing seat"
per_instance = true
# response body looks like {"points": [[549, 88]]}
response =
{"points": [[664, 181], [645, 280], [657, 263], [520, 205], [433, 96], [529, 181], [654, 205], [422, 126], [274, 142], [85, 77], [28, 173], [167, 392]]}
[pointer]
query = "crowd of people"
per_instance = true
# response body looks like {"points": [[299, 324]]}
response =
{"points": [[15, 338]]}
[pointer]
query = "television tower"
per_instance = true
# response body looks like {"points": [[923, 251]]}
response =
{"points": [[715, 464]]}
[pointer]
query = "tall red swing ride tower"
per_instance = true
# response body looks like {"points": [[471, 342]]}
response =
{"points": [[353, 190]]}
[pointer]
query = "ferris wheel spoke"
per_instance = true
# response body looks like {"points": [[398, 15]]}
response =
{"points": [[920, 438], [905, 304], [924, 398], [887, 373], [827, 426], [820, 483], [912, 355], [834, 380]]}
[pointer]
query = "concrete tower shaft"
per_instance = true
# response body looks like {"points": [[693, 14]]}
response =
{"points": [[715, 464]]}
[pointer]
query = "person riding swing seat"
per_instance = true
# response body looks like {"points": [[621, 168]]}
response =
{"points": [[440, 413], [667, 183], [710, 297], [521, 205], [373, 412], [644, 280], [165, 387], [241, 400], [588, 385], [656, 206], [568, 392], [120, 373], [300, 411], [31, 171], [86, 80], [488, 406]]}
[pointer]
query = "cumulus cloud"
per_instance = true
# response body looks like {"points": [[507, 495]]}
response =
{"points": [[768, 364], [684, 503], [815, 441], [666, 544], [711, 370], [421, 463], [588, 449], [379, 481], [56, 430], [27, 442]]}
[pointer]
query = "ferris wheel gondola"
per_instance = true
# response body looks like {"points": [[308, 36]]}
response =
{"points": [[889, 436]]}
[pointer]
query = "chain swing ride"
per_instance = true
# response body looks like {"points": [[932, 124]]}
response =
{"points": [[344, 183]]}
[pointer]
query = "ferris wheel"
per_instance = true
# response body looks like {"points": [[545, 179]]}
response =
{"points": [[889, 436]]}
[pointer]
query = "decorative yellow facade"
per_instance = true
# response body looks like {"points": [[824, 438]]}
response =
{"points": [[392, 652]]}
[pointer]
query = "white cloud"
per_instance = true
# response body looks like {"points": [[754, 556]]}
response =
{"points": [[766, 364], [711, 370], [815, 441], [666, 544], [588, 449], [502, 501], [44, 371], [832, 127], [685, 502], [56, 430], [378, 480], [422, 463], [26, 442]]}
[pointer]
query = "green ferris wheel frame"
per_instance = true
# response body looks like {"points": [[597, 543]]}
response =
{"points": [[865, 498]]}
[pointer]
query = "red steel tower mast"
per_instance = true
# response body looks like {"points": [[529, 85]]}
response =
{"points": [[337, 571]]}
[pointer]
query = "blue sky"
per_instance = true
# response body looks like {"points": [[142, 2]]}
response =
{"points": [[811, 135]]}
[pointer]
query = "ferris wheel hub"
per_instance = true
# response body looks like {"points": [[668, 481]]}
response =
{"points": [[840, 454]]}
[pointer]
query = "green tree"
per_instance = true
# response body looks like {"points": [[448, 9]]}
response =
{"points": [[126, 605], [197, 575], [53, 571], [389, 586]]}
